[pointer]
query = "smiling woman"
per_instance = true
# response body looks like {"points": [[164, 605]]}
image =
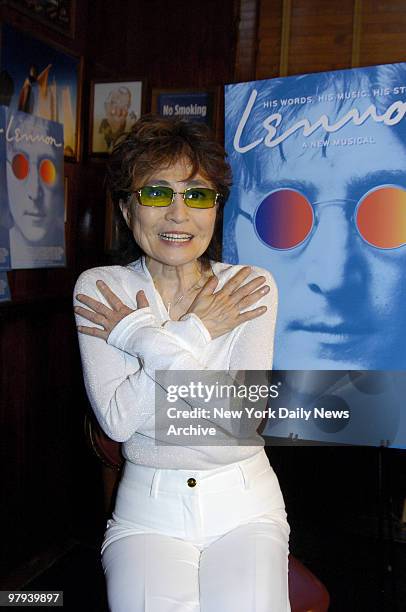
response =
{"points": [[198, 525], [169, 232]]}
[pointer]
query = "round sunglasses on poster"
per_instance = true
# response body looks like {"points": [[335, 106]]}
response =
{"points": [[285, 219]]}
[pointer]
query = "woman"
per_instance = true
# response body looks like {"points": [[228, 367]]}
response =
{"points": [[195, 527]]}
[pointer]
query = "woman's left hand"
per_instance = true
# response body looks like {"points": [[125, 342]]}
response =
{"points": [[102, 315]]}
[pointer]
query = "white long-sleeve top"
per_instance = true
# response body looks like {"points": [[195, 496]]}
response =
{"points": [[119, 374]]}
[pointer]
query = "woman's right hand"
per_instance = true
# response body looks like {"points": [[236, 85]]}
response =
{"points": [[220, 312]]}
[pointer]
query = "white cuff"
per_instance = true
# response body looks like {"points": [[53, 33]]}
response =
{"points": [[190, 330], [121, 333]]}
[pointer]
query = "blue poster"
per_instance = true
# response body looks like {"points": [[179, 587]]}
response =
{"points": [[363, 407], [40, 80], [32, 190], [196, 106], [5, 218], [319, 199]]}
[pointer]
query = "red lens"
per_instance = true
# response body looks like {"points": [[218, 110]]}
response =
{"points": [[284, 219], [381, 217], [47, 171], [20, 166]]}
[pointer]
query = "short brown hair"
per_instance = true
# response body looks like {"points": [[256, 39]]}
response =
{"points": [[155, 142]]}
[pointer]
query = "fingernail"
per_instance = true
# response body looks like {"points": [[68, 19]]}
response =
{"points": [[99, 282], [265, 289]]}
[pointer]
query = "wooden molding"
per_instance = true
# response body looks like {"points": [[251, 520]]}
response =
{"points": [[285, 37], [356, 33]]}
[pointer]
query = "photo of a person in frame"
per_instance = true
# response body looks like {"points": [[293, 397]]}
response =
{"points": [[338, 254], [118, 118]]}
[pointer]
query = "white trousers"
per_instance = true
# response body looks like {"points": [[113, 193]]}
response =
{"points": [[218, 546]]}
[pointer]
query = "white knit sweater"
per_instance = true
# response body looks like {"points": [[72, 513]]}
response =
{"points": [[119, 374]]}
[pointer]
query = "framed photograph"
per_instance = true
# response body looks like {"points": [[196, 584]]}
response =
{"points": [[194, 104], [43, 81], [115, 106], [56, 14]]}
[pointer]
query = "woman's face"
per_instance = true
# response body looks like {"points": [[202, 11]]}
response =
{"points": [[174, 235]]}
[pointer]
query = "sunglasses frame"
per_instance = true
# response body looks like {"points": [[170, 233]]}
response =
{"points": [[315, 216], [216, 197]]}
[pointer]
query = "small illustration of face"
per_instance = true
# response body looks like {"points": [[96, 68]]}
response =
{"points": [[341, 300], [153, 227], [117, 108], [31, 178]]}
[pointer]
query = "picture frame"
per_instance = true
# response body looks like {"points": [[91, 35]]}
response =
{"points": [[114, 107], [195, 104], [46, 82], [59, 15]]}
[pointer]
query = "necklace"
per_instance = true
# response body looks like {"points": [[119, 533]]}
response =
{"points": [[196, 285]]}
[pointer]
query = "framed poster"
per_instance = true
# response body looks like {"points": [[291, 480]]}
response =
{"points": [[32, 192], [44, 82], [56, 14], [115, 107], [5, 215], [194, 104]]}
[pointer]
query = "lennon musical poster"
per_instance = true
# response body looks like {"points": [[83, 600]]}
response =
{"points": [[319, 199], [31, 192]]}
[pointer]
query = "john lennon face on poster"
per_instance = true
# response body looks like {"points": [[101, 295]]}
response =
{"points": [[319, 199], [33, 202]]}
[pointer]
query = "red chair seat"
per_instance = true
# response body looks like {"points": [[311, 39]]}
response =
{"points": [[306, 592]]}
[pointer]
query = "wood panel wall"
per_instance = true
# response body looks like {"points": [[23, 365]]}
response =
{"points": [[40, 416], [51, 489], [299, 36], [383, 31]]}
